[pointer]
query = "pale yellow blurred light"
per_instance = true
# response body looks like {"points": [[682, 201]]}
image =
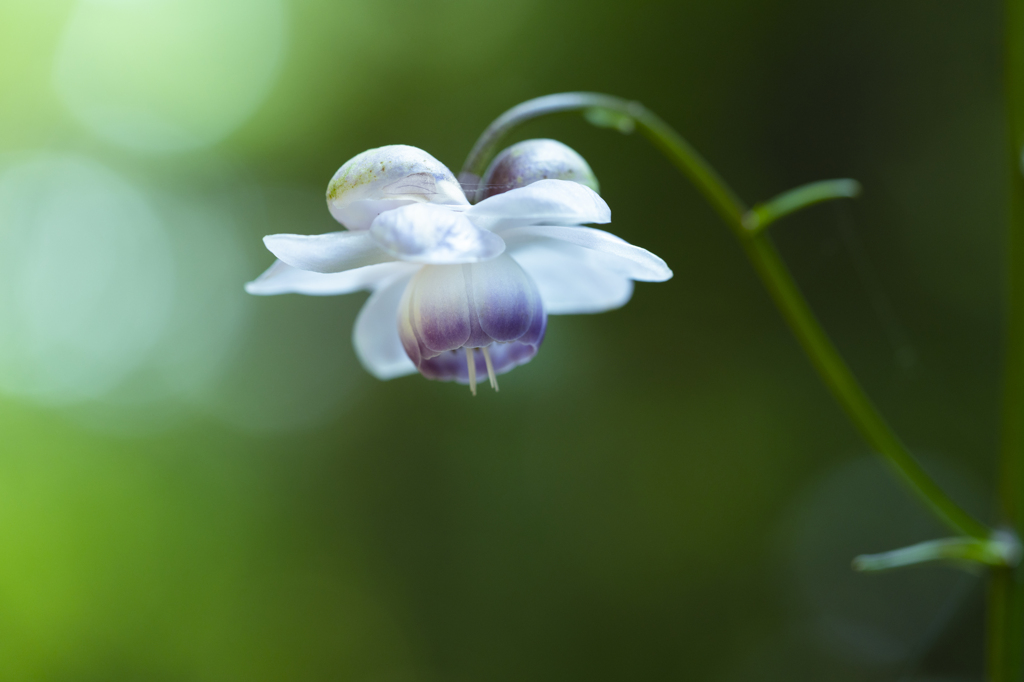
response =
{"points": [[168, 75], [87, 279]]}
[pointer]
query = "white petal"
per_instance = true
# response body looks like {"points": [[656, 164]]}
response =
{"points": [[623, 258], [331, 252], [388, 177], [375, 336], [545, 202], [281, 278], [359, 215], [571, 279], [428, 233]]}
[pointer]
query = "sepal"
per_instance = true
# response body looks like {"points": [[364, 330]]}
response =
{"points": [[532, 160], [384, 178]]}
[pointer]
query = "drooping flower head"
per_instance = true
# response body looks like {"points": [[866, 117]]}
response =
{"points": [[461, 290]]}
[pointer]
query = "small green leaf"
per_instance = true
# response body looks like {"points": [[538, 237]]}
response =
{"points": [[762, 215], [1002, 549], [607, 118]]}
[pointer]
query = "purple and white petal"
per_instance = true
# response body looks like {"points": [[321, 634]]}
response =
{"points": [[573, 280], [330, 252], [435, 311], [451, 307], [375, 336], [281, 278], [505, 301], [529, 161], [545, 202], [623, 258], [427, 233]]}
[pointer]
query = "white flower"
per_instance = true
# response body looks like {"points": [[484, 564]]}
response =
{"points": [[449, 278]]}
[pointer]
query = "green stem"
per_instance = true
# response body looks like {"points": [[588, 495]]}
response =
{"points": [[847, 391], [1006, 596], [766, 260]]}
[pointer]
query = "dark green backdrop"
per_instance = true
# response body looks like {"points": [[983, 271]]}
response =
{"points": [[200, 485]]}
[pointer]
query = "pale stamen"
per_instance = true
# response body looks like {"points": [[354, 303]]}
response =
{"points": [[471, 363], [490, 369]]}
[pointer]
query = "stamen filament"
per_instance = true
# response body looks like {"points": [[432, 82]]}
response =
{"points": [[490, 369], [471, 364]]}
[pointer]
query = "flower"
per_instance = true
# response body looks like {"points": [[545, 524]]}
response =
{"points": [[449, 279]]}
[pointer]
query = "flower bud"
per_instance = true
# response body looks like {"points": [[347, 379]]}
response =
{"points": [[381, 179], [533, 160]]}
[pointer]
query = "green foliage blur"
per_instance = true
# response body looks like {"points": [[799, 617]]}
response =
{"points": [[196, 484]]}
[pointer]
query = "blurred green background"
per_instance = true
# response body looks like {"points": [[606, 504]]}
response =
{"points": [[200, 485]]}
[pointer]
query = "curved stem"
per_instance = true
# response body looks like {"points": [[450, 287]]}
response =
{"points": [[769, 266], [674, 146], [847, 391]]}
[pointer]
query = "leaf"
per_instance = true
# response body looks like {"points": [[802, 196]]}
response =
{"points": [[607, 118]]}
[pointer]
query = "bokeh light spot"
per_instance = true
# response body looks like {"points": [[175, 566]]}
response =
{"points": [[86, 279], [168, 75]]}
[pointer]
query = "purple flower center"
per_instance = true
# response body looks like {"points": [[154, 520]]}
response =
{"points": [[450, 311]]}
